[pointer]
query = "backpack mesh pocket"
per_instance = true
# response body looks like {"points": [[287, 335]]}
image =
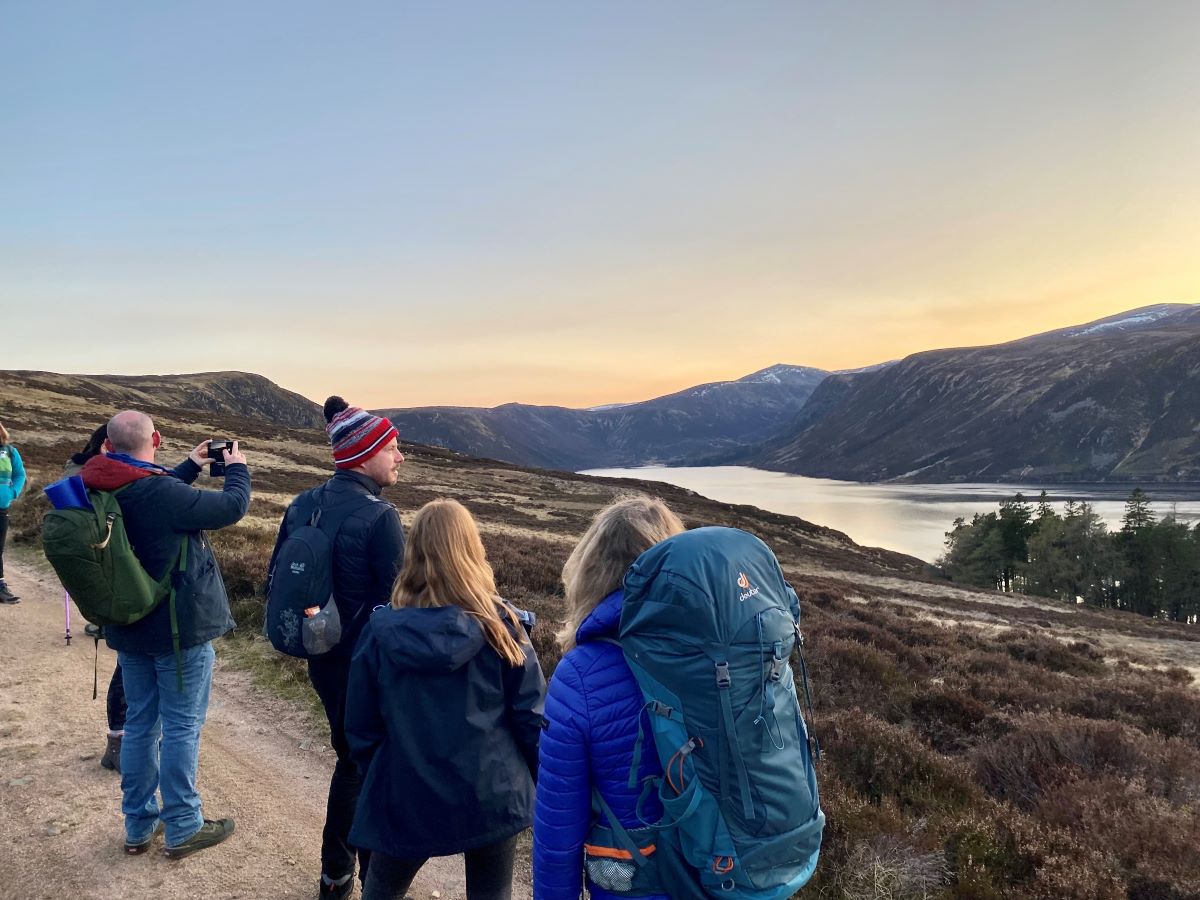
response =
{"points": [[613, 869], [610, 874]]}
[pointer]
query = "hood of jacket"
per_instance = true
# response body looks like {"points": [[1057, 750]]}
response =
{"points": [[604, 620], [103, 473], [437, 639]]}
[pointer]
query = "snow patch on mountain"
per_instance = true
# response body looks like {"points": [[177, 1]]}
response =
{"points": [[1135, 321]]}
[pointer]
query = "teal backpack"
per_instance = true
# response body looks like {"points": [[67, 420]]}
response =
{"points": [[707, 627]]}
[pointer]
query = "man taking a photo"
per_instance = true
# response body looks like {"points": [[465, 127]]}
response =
{"points": [[167, 694]]}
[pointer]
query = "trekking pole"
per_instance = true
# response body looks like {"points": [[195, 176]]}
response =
{"points": [[67, 613]]}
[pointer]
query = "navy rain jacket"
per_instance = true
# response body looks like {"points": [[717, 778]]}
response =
{"points": [[445, 734], [592, 713]]}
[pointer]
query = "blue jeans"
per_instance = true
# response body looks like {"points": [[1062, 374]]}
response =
{"points": [[157, 709]]}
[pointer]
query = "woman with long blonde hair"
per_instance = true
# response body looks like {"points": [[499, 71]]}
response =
{"points": [[443, 716], [594, 706]]}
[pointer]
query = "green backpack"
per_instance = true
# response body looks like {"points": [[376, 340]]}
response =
{"points": [[91, 554]]}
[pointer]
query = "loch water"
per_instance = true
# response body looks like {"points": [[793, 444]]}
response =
{"points": [[911, 518]]}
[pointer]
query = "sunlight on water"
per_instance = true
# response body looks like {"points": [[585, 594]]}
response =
{"points": [[911, 518]]}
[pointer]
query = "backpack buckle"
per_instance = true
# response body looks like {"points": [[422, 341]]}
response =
{"points": [[777, 663], [723, 679]]}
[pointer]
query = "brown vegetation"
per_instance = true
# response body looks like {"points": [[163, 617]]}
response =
{"points": [[974, 746]]}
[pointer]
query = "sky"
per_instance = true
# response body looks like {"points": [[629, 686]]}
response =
{"points": [[471, 203]]}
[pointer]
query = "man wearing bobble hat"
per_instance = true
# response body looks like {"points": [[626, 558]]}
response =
{"points": [[367, 555]]}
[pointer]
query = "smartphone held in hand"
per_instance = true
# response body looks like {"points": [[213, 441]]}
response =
{"points": [[216, 452]]}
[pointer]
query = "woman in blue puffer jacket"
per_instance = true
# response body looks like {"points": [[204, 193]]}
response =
{"points": [[594, 704]]}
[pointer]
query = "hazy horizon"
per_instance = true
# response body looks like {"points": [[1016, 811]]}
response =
{"points": [[465, 205], [321, 396]]}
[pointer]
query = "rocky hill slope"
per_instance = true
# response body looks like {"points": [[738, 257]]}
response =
{"points": [[698, 421], [1117, 399], [237, 394]]}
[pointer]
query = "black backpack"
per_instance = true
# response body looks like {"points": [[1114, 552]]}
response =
{"points": [[302, 617]]}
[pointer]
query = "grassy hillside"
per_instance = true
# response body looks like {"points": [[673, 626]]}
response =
{"points": [[975, 745]]}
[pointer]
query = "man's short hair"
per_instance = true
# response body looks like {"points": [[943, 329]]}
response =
{"points": [[130, 431]]}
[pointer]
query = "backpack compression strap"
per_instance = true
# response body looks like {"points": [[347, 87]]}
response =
{"points": [[170, 580], [729, 736], [621, 836]]}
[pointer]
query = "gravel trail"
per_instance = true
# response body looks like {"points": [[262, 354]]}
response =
{"points": [[261, 762]]}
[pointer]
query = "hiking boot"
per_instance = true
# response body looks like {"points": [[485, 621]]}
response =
{"points": [[7, 596], [336, 891], [211, 833], [140, 847], [111, 759]]}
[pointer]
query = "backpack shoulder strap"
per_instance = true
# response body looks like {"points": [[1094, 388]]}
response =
{"points": [[166, 584], [330, 519]]}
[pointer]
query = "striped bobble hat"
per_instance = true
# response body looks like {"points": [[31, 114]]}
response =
{"points": [[355, 434]]}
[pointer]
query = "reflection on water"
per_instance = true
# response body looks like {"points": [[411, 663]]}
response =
{"points": [[911, 518]]}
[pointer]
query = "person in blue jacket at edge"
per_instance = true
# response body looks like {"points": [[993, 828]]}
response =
{"points": [[12, 481], [443, 716], [594, 704]]}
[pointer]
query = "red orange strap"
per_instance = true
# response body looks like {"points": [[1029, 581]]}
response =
{"points": [[616, 852]]}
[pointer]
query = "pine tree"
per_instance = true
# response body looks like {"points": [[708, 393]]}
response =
{"points": [[1138, 513], [1015, 529], [1045, 509], [1139, 557]]}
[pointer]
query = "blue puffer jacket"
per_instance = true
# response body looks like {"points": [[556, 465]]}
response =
{"points": [[592, 712]]}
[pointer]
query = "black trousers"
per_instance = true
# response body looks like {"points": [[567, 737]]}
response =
{"points": [[330, 678], [3, 538], [116, 701], [489, 873]]}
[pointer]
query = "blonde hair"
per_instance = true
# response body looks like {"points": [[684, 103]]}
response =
{"points": [[445, 564], [3, 435], [620, 533]]}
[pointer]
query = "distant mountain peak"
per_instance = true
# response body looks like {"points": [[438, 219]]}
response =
{"points": [[718, 417], [1130, 320], [781, 373]]}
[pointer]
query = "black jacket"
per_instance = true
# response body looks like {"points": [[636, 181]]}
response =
{"points": [[445, 733], [367, 553], [159, 508]]}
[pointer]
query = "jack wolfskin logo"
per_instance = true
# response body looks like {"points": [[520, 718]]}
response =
{"points": [[747, 591], [297, 568]]}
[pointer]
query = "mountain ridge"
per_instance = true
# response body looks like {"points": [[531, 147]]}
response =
{"points": [[241, 394], [667, 429], [1113, 400]]}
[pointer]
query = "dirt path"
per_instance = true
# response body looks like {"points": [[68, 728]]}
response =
{"points": [[60, 824]]}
